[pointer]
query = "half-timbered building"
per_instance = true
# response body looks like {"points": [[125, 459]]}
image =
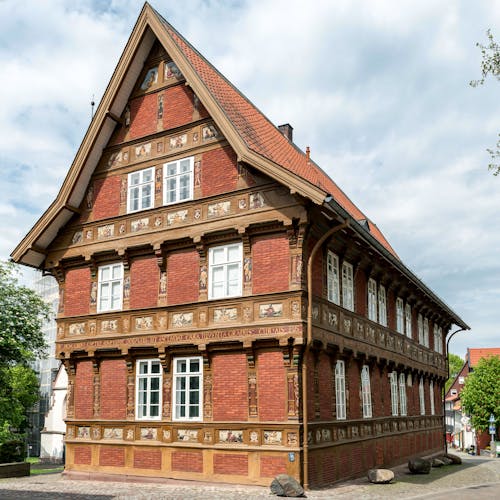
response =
{"points": [[226, 312]]}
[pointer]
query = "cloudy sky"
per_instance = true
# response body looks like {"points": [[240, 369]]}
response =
{"points": [[379, 90]]}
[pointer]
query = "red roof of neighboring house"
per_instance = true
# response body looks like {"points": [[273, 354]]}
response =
{"points": [[261, 136], [474, 355]]}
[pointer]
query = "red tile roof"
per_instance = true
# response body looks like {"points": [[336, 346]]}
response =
{"points": [[474, 355], [260, 135]]}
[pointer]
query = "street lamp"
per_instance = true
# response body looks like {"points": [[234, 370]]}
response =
{"points": [[492, 429]]}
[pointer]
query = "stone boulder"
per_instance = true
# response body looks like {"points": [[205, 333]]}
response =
{"points": [[380, 476], [284, 485], [437, 462], [446, 460], [419, 466], [456, 460]]}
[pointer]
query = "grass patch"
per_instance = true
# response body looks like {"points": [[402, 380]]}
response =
{"points": [[38, 468]]}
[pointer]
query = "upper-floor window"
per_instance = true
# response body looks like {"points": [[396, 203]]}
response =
{"points": [[400, 315], [140, 190], [426, 332], [421, 396], [431, 397], [347, 286], [420, 328], [110, 287], [188, 389], [453, 392], [408, 327], [372, 299], [340, 399], [225, 271], [148, 389], [461, 380], [393, 377], [366, 393], [402, 394], [438, 339], [333, 278], [178, 181], [382, 306]]}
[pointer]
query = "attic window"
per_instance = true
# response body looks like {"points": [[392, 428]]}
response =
{"points": [[453, 392], [461, 380]]}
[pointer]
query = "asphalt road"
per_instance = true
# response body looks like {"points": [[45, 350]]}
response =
{"points": [[478, 478]]}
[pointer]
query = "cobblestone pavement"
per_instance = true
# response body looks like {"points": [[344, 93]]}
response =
{"points": [[477, 477]]}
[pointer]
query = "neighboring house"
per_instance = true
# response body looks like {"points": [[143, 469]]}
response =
{"points": [[46, 368], [459, 431], [228, 314]]}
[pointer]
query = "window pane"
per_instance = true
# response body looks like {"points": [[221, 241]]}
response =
{"points": [[147, 175], [155, 367], [218, 256], [194, 366], [185, 166], [105, 273], [117, 271], [155, 383], [154, 411], [155, 398], [134, 178], [194, 412], [233, 272], [143, 368], [194, 383], [233, 253], [181, 367], [171, 168]]}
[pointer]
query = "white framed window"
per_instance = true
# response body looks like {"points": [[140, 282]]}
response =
{"points": [[148, 389], [347, 286], [366, 392], [110, 287], [438, 339], [382, 306], [453, 392], [372, 299], [431, 397], [333, 278], [420, 328], [461, 380], [408, 326], [402, 394], [340, 395], [400, 315], [178, 181], [140, 191], [393, 377], [225, 271], [421, 396], [426, 332], [188, 389]]}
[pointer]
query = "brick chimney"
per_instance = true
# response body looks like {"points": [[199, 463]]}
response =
{"points": [[287, 131]]}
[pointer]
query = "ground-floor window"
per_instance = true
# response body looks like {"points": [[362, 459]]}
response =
{"points": [[188, 388], [340, 404], [148, 389], [366, 392]]}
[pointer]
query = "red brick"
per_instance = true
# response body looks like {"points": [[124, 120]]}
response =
{"points": [[114, 457], [144, 282], [219, 171], [77, 292], [143, 111], [271, 264], [187, 461], [106, 197], [147, 459], [230, 387], [177, 106], [84, 390], [271, 385], [113, 389], [272, 466], [183, 277], [82, 455], [230, 464]]}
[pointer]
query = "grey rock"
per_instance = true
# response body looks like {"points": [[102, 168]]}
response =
{"points": [[437, 462], [419, 466], [380, 476], [456, 460], [284, 485], [446, 460]]}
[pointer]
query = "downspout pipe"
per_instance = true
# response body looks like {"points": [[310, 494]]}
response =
{"points": [[305, 444], [448, 372]]}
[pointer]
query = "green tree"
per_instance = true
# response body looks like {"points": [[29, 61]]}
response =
{"points": [[490, 65], [22, 315], [455, 365], [481, 393]]}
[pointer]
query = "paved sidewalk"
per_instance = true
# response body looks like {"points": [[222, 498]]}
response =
{"points": [[477, 477]]}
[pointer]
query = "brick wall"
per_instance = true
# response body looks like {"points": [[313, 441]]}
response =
{"points": [[143, 112], [219, 171], [77, 292], [271, 262], [391, 309], [113, 389], [147, 459], [187, 461], [106, 197], [82, 455], [144, 281], [360, 292], [230, 464], [230, 387], [272, 466], [353, 380], [326, 387], [182, 277], [271, 384], [112, 456], [177, 106], [84, 390]]}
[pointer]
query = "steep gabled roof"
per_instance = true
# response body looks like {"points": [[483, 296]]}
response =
{"points": [[254, 138], [474, 355]]}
